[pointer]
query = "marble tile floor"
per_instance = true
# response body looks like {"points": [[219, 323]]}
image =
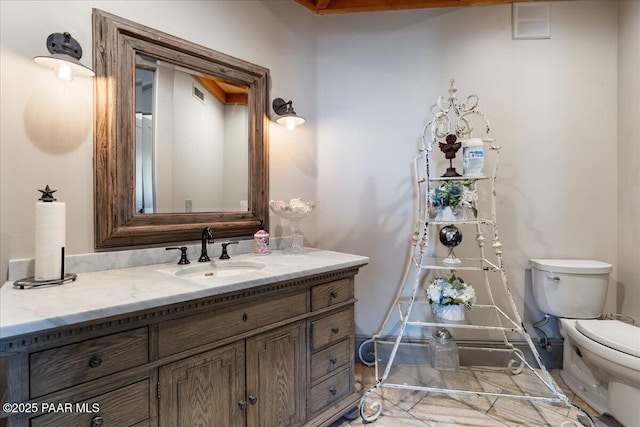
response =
{"points": [[415, 408]]}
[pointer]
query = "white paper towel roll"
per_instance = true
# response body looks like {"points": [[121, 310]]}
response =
{"points": [[50, 239]]}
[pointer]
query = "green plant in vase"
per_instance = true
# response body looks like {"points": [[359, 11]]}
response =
{"points": [[451, 198]]}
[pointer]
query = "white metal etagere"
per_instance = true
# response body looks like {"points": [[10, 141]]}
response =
{"points": [[449, 116]]}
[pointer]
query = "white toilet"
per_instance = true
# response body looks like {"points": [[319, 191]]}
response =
{"points": [[601, 357]]}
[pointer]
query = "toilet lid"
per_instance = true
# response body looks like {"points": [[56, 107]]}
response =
{"points": [[575, 266], [612, 333]]}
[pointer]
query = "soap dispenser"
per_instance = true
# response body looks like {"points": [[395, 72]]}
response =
{"points": [[261, 241]]}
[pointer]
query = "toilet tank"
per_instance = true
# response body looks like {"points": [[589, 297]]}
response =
{"points": [[570, 288]]}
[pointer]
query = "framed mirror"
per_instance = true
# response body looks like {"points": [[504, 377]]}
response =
{"points": [[181, 138]]}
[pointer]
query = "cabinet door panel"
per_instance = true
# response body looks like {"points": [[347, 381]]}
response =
{"points": [[276, 377], [204, 390]]}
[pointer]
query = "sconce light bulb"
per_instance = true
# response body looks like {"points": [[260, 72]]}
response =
{"points": [[291, 123], [64, 72]]}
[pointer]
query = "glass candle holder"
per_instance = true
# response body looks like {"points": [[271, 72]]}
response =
{"points": [[293, 211]]}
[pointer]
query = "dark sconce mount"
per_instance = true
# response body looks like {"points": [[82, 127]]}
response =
{"points": [[288, 116], [65, 57]]}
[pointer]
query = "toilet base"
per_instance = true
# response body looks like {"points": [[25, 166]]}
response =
{"points": [[623, 403], [606, 379], [593, 395]]}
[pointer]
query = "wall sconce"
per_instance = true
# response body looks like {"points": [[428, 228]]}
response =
{"points": [[64, 59], [288, 116]]}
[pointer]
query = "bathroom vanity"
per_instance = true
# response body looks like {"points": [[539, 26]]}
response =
{"points": [[269, 342]]}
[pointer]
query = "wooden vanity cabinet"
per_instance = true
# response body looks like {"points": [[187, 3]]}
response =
{"points": [[204, 390], [257, 382], [280, 354]]}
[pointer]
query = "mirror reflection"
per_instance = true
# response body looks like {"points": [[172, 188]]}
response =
{"points": [[192, 142]]}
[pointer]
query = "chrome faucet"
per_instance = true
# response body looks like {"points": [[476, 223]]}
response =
{"points": [[207, 237]]}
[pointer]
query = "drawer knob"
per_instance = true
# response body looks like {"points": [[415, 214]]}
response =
{"points": [[334, 294], [335, 330], [244, 317], [333, 391], [242, 404], [94, 362], [253, 399], [333, 360], [97, 421]]}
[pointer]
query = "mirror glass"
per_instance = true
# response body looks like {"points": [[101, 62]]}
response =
{"points": [[191, 140], [180, 138]]}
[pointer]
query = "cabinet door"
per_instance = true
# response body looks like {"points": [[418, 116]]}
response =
{"points": [[204, 390], [276, 377]]}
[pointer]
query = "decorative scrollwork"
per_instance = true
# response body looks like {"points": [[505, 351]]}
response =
{"points": [[372, 411], [440, 126], [363, 359], [516, 365]]}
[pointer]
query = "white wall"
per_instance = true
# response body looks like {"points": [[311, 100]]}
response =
{"points": [[46, 125], [629, 157], [235, 184], [197, 148], [163, 139], [552, 106]]}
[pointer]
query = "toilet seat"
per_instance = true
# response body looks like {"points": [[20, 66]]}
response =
{"points": [[613, 334]]}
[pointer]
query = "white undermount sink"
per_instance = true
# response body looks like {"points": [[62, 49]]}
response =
{"points": [[218, 269]]}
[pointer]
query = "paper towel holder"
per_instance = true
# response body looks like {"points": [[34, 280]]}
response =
{"points": [[32, 282]]}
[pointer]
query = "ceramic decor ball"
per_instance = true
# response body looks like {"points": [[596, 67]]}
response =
{"points": [[450, 236]]}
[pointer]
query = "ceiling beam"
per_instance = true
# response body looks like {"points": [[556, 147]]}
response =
{"points": [[212, 88], [351, 6], [322, 4]]}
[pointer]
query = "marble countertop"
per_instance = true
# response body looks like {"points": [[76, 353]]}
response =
{"points": [[101, 294]]}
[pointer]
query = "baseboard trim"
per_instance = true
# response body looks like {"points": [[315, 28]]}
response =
{"points": [[552, 359]]}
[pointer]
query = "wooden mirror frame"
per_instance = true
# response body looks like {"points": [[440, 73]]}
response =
{"points": [[116, 41]]}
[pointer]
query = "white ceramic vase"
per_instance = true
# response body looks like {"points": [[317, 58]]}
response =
{"points": [[448, 214], [449, 313]]}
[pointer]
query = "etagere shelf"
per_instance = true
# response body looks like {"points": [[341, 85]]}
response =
{"points": [[382, 350]]}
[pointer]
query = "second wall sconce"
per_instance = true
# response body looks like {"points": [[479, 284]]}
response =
{"points": [[288, 116], [65, 57]]}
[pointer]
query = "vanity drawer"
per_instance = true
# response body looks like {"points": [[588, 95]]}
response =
{"points": [[330, 359], [177, 335], [331, 293], [330, 329], [62, 367], [330, 390], [123, 407]]}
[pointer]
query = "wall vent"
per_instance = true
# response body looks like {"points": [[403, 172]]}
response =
{"points": [[198, 94], [531, 21]]}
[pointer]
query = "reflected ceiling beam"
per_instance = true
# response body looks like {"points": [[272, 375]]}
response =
{"points": [[327, 7], [322, 4], [225, 92]]}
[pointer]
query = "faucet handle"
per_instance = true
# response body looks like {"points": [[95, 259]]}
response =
{"points": [[183, 254], [225, 254]]}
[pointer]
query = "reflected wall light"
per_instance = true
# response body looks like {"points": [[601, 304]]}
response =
{"points": [[288, 116], [64, 59]]}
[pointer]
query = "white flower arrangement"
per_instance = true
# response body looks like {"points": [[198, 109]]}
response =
{"points": [[451, 290]]}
